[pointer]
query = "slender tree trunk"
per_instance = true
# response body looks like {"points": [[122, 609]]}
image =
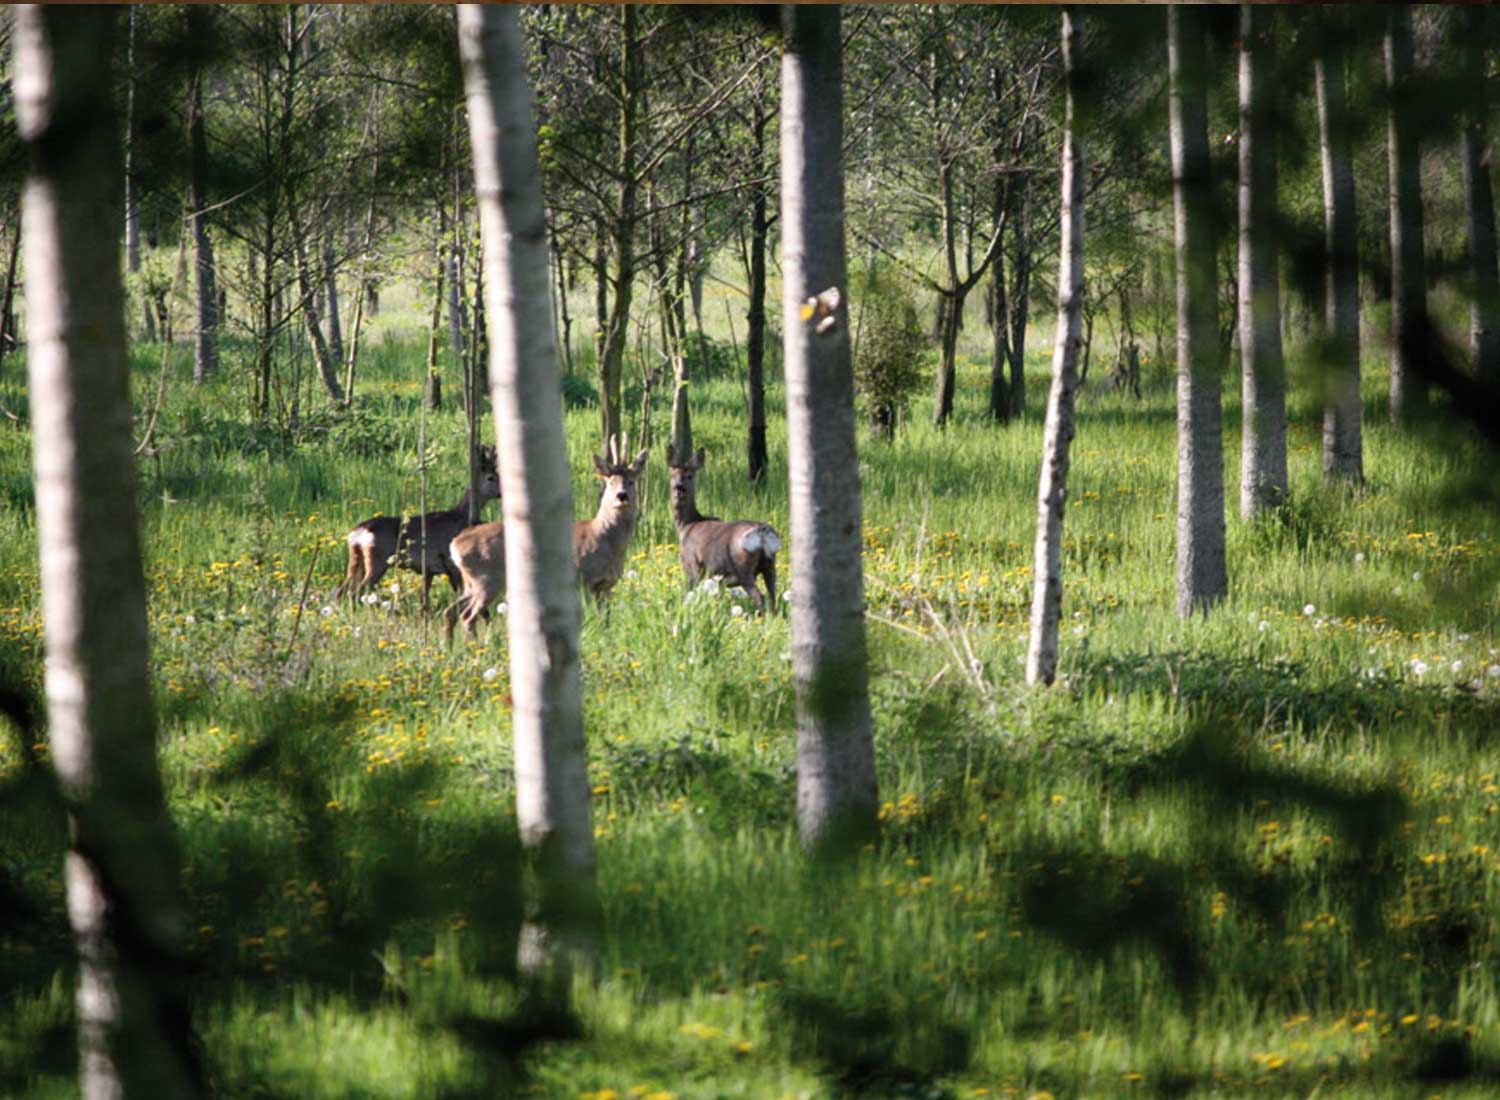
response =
{"points": [[132, 202], [1479, 199], [1202, 579], [1000, 406], [1052, 491], [836, 790], [327, 369], [1263, 473], [1020, 300], [755, 333], [1343, 451], [1409, 323], [121, 874], [433, 395], [206, 339], [552, 788], [361, 292], [8, 337], [331, 300], [622, 231], [565, 319]]}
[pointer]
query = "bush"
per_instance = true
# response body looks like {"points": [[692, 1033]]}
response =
{"points": [[888, 352]]}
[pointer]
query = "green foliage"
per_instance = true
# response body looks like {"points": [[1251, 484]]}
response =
{"points": [[889, 364]]}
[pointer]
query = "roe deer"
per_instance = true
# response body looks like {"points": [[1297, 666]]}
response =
{"points": [[377, 544], [737, 551], [599, 545]]}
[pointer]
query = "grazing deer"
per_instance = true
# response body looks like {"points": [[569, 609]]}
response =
{"points": [[377, 544], [599, 545], [737, 551]]}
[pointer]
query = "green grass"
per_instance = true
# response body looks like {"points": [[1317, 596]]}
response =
{"points": [[1252, 854]]}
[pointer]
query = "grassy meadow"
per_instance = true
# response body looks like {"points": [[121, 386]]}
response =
{"points": [[1255, 854]]}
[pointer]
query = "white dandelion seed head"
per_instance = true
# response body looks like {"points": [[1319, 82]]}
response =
{"points": [[1263, 626], [501, 608], [491, 673], [1418, 667], [326, 611], [1359, 557], [736, 611], [190, 619], [369, 599], [1416, 576], [1309, 610], [1493, 671]]}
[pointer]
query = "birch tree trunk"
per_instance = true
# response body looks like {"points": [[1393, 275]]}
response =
{"points": [[836, 792], [1052, 491], [1202, 578], [1343, 450], [206, 337], [552, 788], [757, 457], [1263, 473], [124, 896], [1409, 322], [1479, 199]]}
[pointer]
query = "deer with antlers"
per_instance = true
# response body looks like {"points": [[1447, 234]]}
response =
{"points": [[419, 543], [599, 544], [738, 551]]}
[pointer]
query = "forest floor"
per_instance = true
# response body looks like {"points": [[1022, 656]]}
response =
{"points": [[1257, 853]]}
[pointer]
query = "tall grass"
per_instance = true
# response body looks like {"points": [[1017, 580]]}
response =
{"points": [[1256, 852]]}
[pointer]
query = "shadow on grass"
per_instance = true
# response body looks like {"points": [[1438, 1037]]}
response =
{"points": [[1242, 691], [304, 876]]}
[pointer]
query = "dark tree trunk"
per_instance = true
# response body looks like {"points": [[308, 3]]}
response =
{"points": [[1343, 450], [206, 341], [1409, 323], [755, 335], [1479, 200]]}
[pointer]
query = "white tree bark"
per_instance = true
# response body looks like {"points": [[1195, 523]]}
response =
{"points": [[121, 868], [1408, 265], [1343, 449], [1052, 492], [1202, 578], [552, 789], [836, 791], [1479, 199], [1263, 473]]}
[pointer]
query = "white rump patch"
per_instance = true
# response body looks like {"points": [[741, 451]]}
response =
{"points": [[362, 536], [762, 538]]}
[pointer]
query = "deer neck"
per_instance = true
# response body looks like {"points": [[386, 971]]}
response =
{"points": [[614, 523], [685, 512]]}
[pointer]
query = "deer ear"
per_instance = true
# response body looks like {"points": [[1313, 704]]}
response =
{"points": [[698, 459], [640, 461], [672, 456], [601, 467]]}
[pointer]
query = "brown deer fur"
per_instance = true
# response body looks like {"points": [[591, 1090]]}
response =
{"points": [[377, 544], [737, 551], [599, 546]]}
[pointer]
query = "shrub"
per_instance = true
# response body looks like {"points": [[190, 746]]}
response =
{"points": [[888, 352]]}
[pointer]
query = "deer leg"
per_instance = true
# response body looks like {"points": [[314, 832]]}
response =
{"points": [[375, 568], [768, 574], [352, 575], [450, 617]]}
